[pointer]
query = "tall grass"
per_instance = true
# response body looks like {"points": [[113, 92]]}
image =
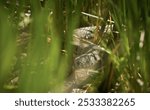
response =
{"points": [[39, 55], [132, 19], [7, 47], [46, 66], [42, 65]]}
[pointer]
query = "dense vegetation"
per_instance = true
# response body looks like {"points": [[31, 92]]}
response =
{"points": [[36, 53]]}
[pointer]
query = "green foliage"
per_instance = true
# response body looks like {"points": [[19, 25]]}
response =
{"points": [[41, 64], [39, 54], [7, 47], [134, 40]]}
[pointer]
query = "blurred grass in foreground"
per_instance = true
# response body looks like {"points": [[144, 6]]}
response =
{"points": [[41, 64], [7, 47], [46, 66]]}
